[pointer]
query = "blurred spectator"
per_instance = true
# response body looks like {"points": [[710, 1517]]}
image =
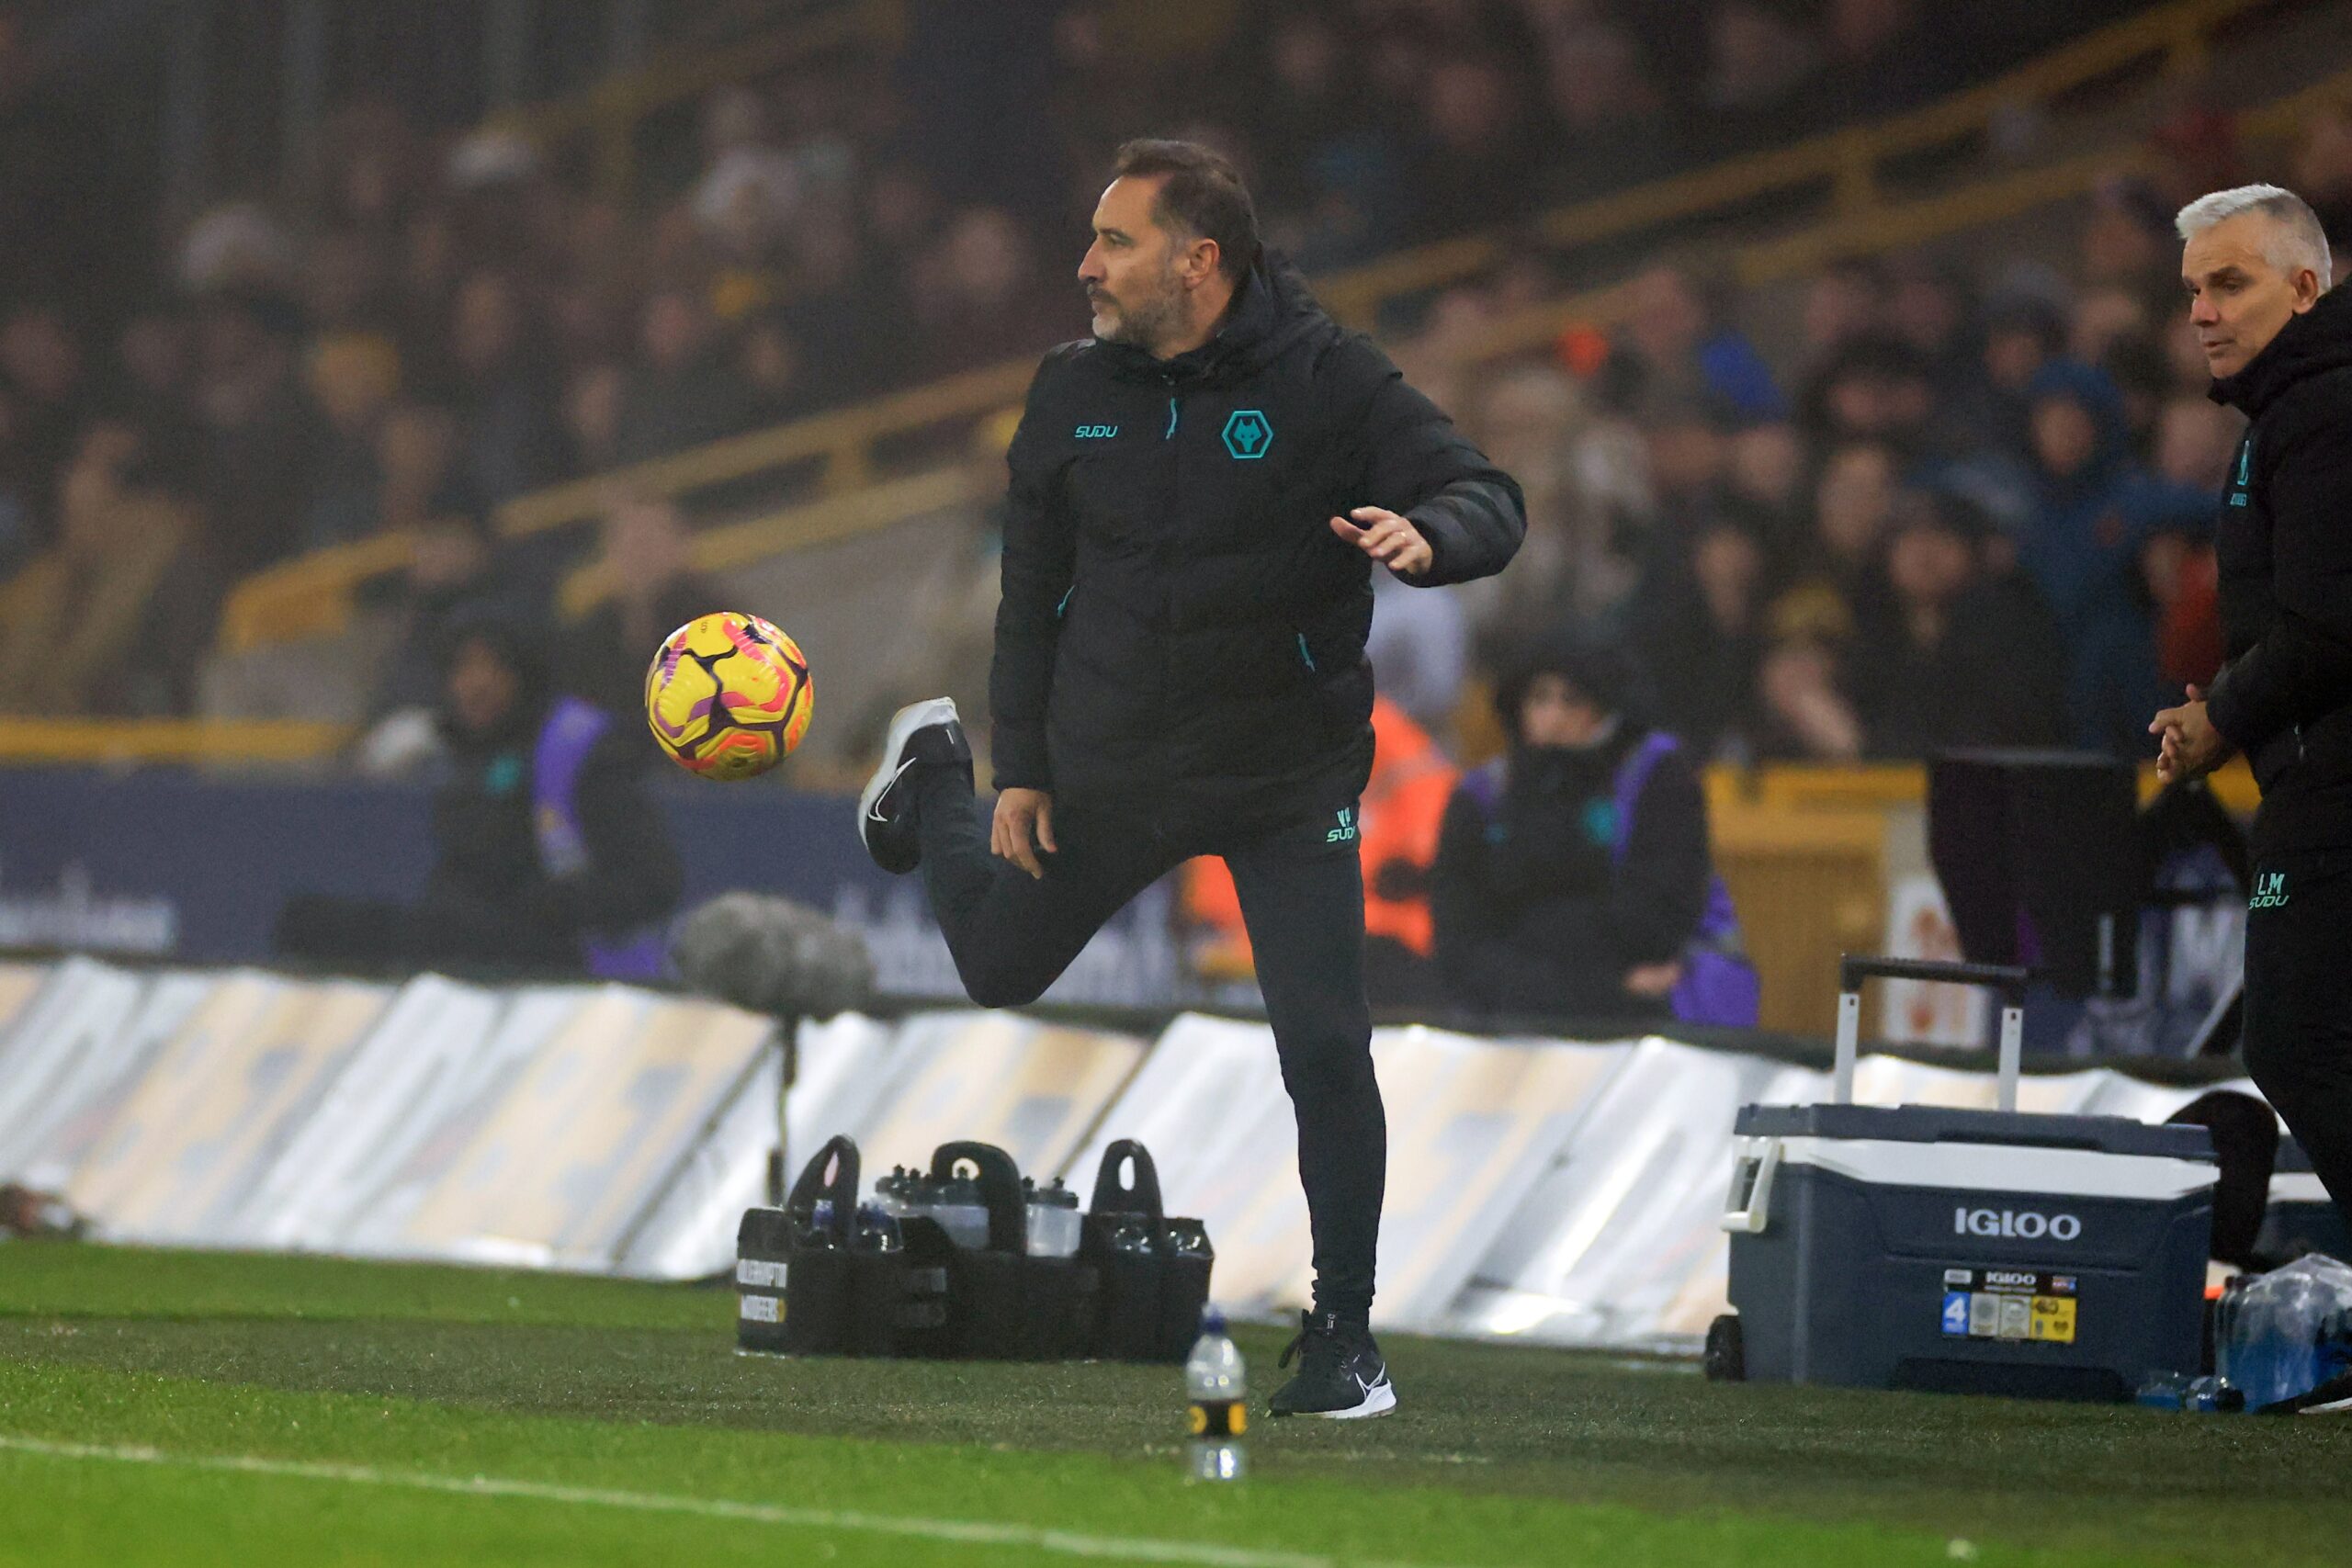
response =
{"points": [[2023, 333], [260, 433], [592, 416], [1758, 56], [1953, 658], [1467, 169], [643, 557], [2323, 173], [154, 362], [1845, 301], [1698, 630], [1803, 713], [41, 368], [2196, 440], [1531, 420], [980, 296], [1688, 451], [547, 853], [110, 618], [239, 247], [2128, 243], [1837, 569], [1689, 350], [2094, 511], [1874, 60], [1559, 890], [2183, 578], [777, 380], [682, 392], [1610, 115], [353, 380], [1872, 387], [1764, 485], [1927, 310], [511, 435], [454, 572], [416, 477]]}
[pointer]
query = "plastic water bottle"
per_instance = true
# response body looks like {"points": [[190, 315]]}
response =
{"points": [[1216, 1383], [1055, 1224]]}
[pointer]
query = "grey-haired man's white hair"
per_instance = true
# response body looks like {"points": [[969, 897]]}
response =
{"points": [[2297, 241]]}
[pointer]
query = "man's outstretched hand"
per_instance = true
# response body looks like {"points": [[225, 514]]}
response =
{"points": [[1386, 538], [1023, 825], [2191, 745]]}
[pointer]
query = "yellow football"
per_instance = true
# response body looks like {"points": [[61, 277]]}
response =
{"points": [[727, 697]]}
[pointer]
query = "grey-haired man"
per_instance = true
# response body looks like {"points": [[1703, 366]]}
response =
{"points": [[2280, 345]]}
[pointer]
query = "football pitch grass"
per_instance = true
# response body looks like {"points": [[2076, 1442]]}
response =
{"points": [[163, 1407]]}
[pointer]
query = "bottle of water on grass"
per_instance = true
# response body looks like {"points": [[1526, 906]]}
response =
{"points": [[1216, 1383]]}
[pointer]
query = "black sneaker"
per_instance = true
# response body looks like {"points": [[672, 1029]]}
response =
{"points": [[921, 733], [1341, 1375]]}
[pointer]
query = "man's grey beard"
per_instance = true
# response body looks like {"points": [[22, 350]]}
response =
{"points": [[1150, 323]]}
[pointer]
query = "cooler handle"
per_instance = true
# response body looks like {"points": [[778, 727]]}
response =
{"points": [[1749, 1207], [2006, 978]]}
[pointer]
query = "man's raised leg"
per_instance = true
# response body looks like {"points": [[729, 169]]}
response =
{"points": [[1010, 934]]}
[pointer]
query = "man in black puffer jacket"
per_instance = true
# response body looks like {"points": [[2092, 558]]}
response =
{"points": [[2279, 343], [1199, 495]]}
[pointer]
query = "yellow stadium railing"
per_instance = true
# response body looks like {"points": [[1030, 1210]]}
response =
{"points": [[107, 742], [309, 596]]}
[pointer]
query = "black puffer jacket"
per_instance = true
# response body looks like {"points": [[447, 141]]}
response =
{"points": [[1181, 630], [2284, 548]]}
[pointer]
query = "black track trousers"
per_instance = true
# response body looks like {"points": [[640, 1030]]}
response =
{"points": [[2299, 1004], [1302, 899]]}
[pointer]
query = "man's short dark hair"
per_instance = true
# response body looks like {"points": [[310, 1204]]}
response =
{"points": [[1201, 198]]}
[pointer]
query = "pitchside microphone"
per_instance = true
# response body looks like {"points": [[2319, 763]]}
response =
{"points": [[772, 956]]}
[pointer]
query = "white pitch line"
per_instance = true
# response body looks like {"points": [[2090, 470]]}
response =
{"points": [[974, 1532]]}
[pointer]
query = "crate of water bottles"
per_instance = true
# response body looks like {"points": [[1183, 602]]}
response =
{"points": [[2283, 1339], [966, 1258]]}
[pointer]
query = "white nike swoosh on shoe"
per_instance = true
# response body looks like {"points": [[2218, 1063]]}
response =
{"points": [[1379, 1399], [872, 813]]}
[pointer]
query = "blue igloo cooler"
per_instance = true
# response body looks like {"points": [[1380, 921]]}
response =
{"points": [[1964, 1251], [2300, 1216]]}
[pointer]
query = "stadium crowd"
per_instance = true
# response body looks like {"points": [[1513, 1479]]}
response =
{"points": [[445, 323]]}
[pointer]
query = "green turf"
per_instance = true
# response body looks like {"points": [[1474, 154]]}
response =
{"points": [[1499, 1455]]}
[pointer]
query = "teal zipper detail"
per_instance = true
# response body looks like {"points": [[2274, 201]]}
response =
{"points": [[1065, 604], [1304, 657], [1171, 421]]}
